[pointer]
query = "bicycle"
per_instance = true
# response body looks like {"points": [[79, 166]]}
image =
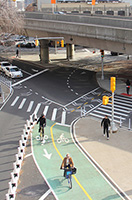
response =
{"points": [[68, 174]]}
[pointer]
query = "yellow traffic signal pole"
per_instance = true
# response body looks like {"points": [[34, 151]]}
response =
{"points": [[113, 83]]}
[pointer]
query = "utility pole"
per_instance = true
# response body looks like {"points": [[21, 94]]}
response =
{"points": [[113, 87], [102, 56]]}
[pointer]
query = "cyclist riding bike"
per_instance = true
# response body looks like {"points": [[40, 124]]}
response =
{"points": [[42, 124], [67, 163]]}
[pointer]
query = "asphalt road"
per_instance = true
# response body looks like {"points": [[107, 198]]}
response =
{"points": [[59, 86]]}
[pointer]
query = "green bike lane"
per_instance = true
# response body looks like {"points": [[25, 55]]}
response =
{"points": [[88, 183]]}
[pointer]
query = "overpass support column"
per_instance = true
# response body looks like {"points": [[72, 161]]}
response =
{"points": [[69, 51], [44, 51]]}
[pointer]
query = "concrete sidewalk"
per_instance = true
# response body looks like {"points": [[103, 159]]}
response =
{"points": [[114, 155]]}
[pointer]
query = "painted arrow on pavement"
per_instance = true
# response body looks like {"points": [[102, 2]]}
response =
{"points": [[46, 154]]}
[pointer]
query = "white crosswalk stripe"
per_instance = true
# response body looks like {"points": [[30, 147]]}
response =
{"points": [[63, 118], [45, 110], [54, 114], [15, 100], [122, 109], [22, 103], [30, 106], [37, 108]]}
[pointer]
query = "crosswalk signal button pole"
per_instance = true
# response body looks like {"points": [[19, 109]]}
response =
{"points": [[105, 100], [113, 84]]}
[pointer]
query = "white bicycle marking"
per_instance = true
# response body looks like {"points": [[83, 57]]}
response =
{"points": [[62, 138], [39, 138]]}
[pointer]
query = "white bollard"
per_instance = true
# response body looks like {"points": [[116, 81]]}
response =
{"points": [[18, 161], [11, 192], [23, 140], [7, 197], [28, 125], [26, 129], [35, 117], [21, 146], [14, 181], [16, 170], [20, 154], [31, 120], [25, 134]]}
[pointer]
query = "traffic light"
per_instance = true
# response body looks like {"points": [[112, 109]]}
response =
{"points": [[105, 100], [102, 53], [62, 43], [36, 43], [113, 84]]}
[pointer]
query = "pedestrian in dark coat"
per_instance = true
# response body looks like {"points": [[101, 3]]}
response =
{"points": [[128, 86], [17, 53], [106, 123], [42, 123]]}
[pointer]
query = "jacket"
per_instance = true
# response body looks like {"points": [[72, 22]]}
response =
{"points": [[42, 121], [105, 122], [63, 165]]}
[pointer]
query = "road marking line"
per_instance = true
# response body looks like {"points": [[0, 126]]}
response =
{"points": [[28, 155], [29, 77], [51, 131], [14, 102], [37, 108], [63, 118], [54, 114], [46, 110], [22, 104], [81, 97], [45, 194], [30, 106]]}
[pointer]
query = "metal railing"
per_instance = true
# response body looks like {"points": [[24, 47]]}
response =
{"points": [[8, 84]]}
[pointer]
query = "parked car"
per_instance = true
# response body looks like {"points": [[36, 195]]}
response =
{"points": [[26, 45], [3, 65], [115, 53], [13, 72]]}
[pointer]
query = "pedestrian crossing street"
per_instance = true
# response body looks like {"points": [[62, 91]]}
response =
{"points": [[122, 109], [48, 108]]}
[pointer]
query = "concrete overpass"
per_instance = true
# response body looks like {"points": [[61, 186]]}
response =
{"points": [[108, 33]]}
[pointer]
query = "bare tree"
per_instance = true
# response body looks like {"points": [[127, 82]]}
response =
{"points": [[11, 21]]}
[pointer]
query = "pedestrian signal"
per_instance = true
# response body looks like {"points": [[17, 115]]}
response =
{"points": [[105, 100], [62, 43], [113, 84]]}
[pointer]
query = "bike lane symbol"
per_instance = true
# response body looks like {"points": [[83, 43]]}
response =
{"points": [[62, 138]]}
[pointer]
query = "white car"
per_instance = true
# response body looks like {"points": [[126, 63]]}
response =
{"points": [[3, 65], [13, 72]]}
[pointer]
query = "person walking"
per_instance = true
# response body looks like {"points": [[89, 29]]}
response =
{"points": [[67, 163], [17, 53], [42, 123], [128, 86], [105, 123]]}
